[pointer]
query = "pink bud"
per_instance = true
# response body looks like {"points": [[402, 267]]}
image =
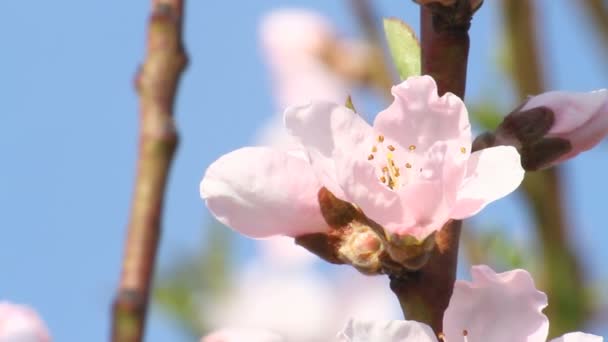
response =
{"points": [[20, 323], [579, 118]]}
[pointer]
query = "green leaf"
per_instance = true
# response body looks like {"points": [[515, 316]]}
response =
{"points": [[404, 47], [349, 104]]}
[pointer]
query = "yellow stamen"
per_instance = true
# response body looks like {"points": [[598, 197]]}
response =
{"points": [[370, 157], [412, 147], [380, 138], [463, 150], [391, 147]]}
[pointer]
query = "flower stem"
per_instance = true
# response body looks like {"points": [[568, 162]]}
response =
{"points": [[156, 82], [425, 294]]}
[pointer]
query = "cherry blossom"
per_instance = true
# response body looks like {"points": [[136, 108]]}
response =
{"points": [[411, 171], [281, 289], [20, 323], [493, 307], [293, 42]]}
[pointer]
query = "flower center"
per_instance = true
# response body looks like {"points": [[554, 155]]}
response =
{"points": [[383, 156]]}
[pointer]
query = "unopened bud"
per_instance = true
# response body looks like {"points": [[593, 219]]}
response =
{"points": [[361, 247], [555, 126]]}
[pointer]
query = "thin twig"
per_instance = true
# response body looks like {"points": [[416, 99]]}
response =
{"points": [[156, 82], [445, 47], [543, 190]]}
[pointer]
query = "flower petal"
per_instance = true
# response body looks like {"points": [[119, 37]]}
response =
{"points": [[324, 129], [361, 186], [240, 335], [578, 337], [419, 117], [571, 109], [386, 331], [432, 192], [261, 192], [501, 307], [492, 173]]}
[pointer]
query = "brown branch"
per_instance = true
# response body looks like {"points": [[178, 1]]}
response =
{"points": [[156, 82], [425, 295], [562, 276]]}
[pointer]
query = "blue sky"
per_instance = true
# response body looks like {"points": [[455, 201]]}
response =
{"points": [[68, 136]]}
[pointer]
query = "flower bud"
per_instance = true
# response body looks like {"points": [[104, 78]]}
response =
{"points": [[555, 126], [362, 248]]}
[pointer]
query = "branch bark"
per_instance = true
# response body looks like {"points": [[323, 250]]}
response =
{"points": [[425, 295], [157, 82]]}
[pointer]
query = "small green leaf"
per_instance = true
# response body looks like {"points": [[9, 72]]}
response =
{"points": [[349, 104], [404, 47]]}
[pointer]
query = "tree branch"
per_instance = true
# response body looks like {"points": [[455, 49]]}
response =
{"points": [[543, 190], [156, 82], [425, 295]]}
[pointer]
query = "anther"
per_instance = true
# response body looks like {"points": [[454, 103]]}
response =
{"points": [[408, 165], [441, 336], [374, 149], [463, 150], [370, 157], [383, 179], [385, 169], [412, 147], [380, 138], [391, 147], [397, 174], [465, 332]]}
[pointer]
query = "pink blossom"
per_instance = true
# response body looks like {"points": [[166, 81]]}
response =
{"points": [[293, 298], [580, 118], [494, 307], [411, 172], [293, 42], [19, 323]]}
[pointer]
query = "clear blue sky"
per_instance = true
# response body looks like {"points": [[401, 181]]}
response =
{"points": [[68, 123]]}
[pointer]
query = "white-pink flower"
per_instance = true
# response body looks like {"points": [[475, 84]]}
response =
{"points": [[411, 171], [493, 307], [503, 307], [280, 291], [20, 323], [580, 118], [293, 42]]}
